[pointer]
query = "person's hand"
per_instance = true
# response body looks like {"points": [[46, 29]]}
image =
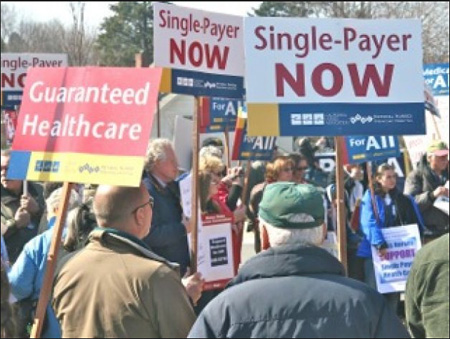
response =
{"points": [[28, 203], [22, 218], [239, 214], [193, 285], [382, 253], [441, 192]]}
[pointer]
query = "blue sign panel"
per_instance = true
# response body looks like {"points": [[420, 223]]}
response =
{"points": [[361, 149], [207, 85], [436, 77], [351, 119], [11, 99]]}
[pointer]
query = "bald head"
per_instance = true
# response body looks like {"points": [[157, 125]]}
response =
{"points": [[114, 206]]}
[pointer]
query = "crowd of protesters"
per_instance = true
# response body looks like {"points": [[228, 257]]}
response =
{"points": [[123, 270]]}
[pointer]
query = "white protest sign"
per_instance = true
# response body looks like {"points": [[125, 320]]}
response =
{"points": [[200, 41], [15, 67], [333, 60], [333, 76], [443, 204], [392, 272], [215, 251], [186, 195], [182, 141]]}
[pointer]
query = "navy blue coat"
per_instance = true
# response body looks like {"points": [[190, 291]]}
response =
{"points": [[297, 292], [167, 237]]}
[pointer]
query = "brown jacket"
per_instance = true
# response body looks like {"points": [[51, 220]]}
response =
{"points": [[117, 288]]}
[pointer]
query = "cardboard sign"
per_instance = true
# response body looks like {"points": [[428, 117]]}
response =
{"points": [[215, 251], [392, 272], [219, 114], [85, 125], [328, 77], [359, 149], [14, 72], [202, 52]]}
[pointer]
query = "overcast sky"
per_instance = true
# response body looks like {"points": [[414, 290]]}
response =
{"points": [[96, 11]]}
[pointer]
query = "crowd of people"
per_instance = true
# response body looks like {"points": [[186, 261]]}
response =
{"points": [[124, 267]]}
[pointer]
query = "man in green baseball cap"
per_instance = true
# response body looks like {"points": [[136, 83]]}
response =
{"points": [[428, 183], [296, 289]]}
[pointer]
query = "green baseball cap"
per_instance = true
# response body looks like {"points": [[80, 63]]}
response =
{"points": [[437, 148], [292, 206]]}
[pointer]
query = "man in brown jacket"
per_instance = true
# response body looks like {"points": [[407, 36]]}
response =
{"points": [[116, 287]]}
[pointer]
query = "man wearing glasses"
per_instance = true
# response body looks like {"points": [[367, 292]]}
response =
{"points": [[116, 287]]}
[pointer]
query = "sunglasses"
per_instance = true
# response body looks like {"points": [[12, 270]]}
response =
{"points": [[150, 202], [288, 169]]}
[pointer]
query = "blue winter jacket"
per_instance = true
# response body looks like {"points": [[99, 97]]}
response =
{"points": [[406, 213], [168, 237], [27, 275]]}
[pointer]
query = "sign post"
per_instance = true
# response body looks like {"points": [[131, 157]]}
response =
{"points": [[52, 258], [72, 129], [202, 54], [341, 210], [195, 183]]}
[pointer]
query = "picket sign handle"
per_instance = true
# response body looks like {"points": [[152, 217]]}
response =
{"points": [[195, 183], [47, 284], [341, 210], [227, 147]]}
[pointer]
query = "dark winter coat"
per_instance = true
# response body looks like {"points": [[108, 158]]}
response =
{"points": [[421, 183], [297, 292]]}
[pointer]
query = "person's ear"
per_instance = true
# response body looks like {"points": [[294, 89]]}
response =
{"points": [[265, 243]]}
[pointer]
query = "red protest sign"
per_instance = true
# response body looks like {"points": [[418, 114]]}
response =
{"points": [[88, 125]]}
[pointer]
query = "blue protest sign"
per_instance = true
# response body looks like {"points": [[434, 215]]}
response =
{"points": [[436, 77], [361, 149], [219, 114]]}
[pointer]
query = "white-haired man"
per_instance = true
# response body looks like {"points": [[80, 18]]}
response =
{"points": [[296, 289], [169, 229]]}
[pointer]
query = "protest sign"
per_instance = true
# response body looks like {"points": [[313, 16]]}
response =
{"points": [[219, 114], [392, 271], [14, 72], [443, 204], [251, 148], [359, 149], [85, 125], [215, 251], [316, 77], [201, 52]]}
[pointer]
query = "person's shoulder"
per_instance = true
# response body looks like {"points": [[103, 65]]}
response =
{"points": [[434, 251]]}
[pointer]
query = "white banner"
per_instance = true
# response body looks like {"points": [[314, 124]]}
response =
{"points": [[392, 272], [195, 40], [215, 251], [333, 60], [15, 67]]}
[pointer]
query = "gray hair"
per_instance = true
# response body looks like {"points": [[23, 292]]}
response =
{"points": [[54, 200], [280, 236], [157, 151]]}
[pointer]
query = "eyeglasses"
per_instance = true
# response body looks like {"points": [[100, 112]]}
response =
{"points": [[150, 202]]}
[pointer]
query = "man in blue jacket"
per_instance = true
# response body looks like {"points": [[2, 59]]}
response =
{"points": [[296, 289], [168, 235]]}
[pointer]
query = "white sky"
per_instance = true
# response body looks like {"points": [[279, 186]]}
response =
{"points": [[96, 11]]}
